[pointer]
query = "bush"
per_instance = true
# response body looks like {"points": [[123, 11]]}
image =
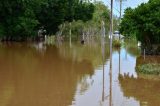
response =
{"points": [[116, 43], [150, 68], [143, 22]]}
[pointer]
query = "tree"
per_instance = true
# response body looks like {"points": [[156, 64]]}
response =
{"points": [[18, 20], [91, 27], [144, 22], [21, 19]]}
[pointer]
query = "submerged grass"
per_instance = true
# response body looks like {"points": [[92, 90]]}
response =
{"points": [[150, 68], [117, 43]]}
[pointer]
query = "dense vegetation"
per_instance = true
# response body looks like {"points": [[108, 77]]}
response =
{"points": [[91, 28], [143, 22], [20, 19]]}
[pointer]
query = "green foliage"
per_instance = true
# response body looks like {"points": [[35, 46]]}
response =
{"points": [[149, 69], [1, 31], [21, 19], [54, 12], [116, 43], [51, 14], [18, 20], [102, 12], [84, 11], [144, 22], [91, 27], [76, 26]]}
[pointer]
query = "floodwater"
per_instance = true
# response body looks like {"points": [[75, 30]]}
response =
{"points": [[73, 75]]}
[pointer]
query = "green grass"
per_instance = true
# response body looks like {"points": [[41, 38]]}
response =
{"points": [[150, 68]]}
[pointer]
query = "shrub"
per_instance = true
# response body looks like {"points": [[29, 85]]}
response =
{"points": [[150, 68], [116, 43]]}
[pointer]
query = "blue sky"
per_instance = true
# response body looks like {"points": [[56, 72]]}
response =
{"points": [[127, 3]]}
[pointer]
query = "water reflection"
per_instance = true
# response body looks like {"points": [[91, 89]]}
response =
{"points": [[82, 75], [103, 62], [142, 89], [110, 78], [31, 78]]}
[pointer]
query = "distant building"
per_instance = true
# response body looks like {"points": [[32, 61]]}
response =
{"points": [[116, 35]]}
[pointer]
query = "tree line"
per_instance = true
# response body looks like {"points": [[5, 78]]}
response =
{"points": [[91, 29], [143, 22], [21, 19]]}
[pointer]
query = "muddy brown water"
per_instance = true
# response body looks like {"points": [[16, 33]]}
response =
{"points": [[77, 75]]}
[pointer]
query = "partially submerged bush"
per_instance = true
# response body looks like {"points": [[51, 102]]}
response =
{"points": [[116, 43], [150, 68]]}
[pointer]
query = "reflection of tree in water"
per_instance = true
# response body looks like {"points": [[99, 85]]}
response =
{"points": [[132, 48], [85, 52], [39, 79], [84, 85], [145, 90]]}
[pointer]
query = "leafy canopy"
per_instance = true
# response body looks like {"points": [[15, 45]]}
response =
{"points": [[143, 22]]}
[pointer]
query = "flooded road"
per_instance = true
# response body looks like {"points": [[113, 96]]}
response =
{"points": [[77, 75]]}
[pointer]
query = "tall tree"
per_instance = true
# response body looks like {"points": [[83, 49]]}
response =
{"points": [[144, 22], [20, 19]]}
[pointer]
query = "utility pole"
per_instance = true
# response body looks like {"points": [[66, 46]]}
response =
{"points": [[120, 10], [120, 15], [111, 34], [111, 28]]}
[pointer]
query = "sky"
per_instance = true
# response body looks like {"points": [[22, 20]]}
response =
{"points": [[126, 3]]}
